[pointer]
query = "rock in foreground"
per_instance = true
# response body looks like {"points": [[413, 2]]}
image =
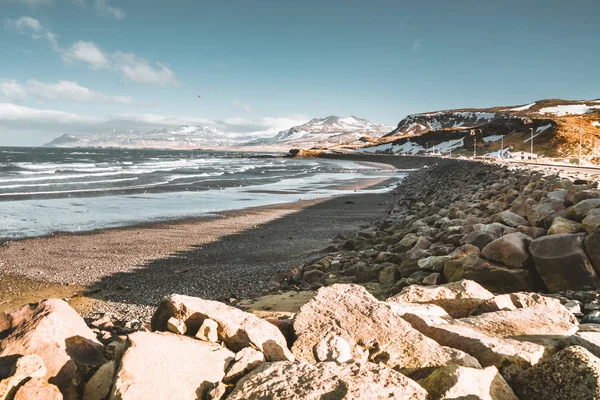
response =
{"points": [[328, 380]]}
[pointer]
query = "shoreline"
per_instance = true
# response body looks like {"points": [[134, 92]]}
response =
{"points": [[89, 267]]}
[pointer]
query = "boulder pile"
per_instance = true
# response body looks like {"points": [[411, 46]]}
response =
{"points": [[456, 340], [507, 229]]}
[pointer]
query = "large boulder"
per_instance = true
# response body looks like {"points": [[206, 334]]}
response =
{"points": [[168, 366], [510, 218], [457, 298], [592, 247], [453, 382], [511, 250], [326, 380], [562, 262], [236, 328], [577, 212], [55, 332], [562, 225], [572, 373], [37, 389], [520, 337], [541, 215], [371, 328], [496, 278], [591, 223]]}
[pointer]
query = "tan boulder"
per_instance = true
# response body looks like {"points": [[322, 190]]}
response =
{"points": [[55, 332], [371, 328], [236, 328], [512, 301], [401, 308], [21, 368], [457, 298], [453, 382], [327, 380], [562, 225], [168, 366], [572, 373], [98, 387], [38, 389], [521, 337], [245, 361]]}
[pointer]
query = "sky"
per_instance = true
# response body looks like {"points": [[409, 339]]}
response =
{"points": [[84, 66]]}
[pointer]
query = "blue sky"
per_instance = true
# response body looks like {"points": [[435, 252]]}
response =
{"points": [[82, 66]]}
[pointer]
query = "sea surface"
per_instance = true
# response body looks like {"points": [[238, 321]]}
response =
{"points": [[49, 190]]}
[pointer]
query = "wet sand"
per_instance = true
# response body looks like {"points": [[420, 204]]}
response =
{"points": [[126, 271]]}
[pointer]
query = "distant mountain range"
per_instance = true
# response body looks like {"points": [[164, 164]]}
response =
{"points": [[323, 132], [554, 124]]}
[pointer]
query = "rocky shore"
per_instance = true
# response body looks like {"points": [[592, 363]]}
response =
{"points": [[481, 283]]}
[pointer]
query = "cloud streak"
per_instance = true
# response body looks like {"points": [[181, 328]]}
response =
{"points": [[11, 90], [242, 106], [15, 116], [131, 66], [416, 44]]}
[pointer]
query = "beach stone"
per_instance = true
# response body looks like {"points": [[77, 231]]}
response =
{"points": [[541, 215], [591, 223], [314, 276], [193, 367], [572, 373], [208, 331], [577, 212], [333, 348], [370, 327], [237, 329], [511, 250], [56, 333], [218, 392], [477, 238], [592, 247], [98, 387], [38, 389], [432, 279], [176, 326], [512, 301], [245, 361], [326, 380], [588, 340], [433, 263], [389, 276], [365, 274], [521, 337], [458, 299], [407, 243], [510, 218], [453, 382], [560, 195], [562, 262], [493, 277], [562, 225], [532, 231]]}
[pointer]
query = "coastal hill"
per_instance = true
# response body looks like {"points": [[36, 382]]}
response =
{"points": [[556, 130], [326, 132]]}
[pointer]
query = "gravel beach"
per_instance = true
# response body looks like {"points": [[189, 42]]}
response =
{"points": [[126, 271]]}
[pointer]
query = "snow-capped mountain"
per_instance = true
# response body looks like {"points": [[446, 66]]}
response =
{"points": [[329, 131], [182, 137]]}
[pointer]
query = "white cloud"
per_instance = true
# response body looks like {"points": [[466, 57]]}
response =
{"points": [[63, 90], [242, 106], [87, 53], [104, 9], [136, 69], [139, 70], [416, 44], [51, 121], [28, 25], [12, 90]]}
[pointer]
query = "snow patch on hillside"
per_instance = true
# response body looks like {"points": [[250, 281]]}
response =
{"points": [[596, 123], [492, 139], [571, 109], [523, 108], [541, 129]]}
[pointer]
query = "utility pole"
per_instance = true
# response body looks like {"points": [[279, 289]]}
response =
{"points": [[531, 144], [580, 136], [502, 147], [474, 148]]}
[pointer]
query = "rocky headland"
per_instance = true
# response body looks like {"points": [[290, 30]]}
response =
{"points": [[481, 282]]}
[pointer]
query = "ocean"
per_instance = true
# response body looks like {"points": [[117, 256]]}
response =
{"points": [[49, 190]]}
